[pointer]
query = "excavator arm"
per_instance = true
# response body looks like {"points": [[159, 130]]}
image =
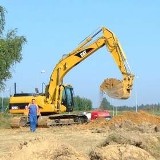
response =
{"points": [[114, 88], [86, 48]]}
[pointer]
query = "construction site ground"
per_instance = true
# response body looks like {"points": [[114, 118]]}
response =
{"points": [[130, 136]]}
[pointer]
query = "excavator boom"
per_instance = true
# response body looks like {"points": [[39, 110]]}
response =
{"points": [[114, 88]]}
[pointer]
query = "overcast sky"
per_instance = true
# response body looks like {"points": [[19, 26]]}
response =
{"points": [[54, 28]]}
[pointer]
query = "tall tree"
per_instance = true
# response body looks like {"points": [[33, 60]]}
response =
{"points": [[105, 104], [10, 49]]}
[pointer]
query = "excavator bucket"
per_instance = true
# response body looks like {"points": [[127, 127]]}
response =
{"points": [[115, 88]]}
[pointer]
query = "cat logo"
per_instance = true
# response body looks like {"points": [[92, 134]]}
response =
{"points": [[83, 53]]}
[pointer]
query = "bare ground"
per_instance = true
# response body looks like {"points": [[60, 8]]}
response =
{"points": [[131, 136]]}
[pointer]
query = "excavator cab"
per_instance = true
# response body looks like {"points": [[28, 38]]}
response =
{"points": [[67, 98]]}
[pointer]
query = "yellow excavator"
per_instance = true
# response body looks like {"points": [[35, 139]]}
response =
{"points": [[57, 104]]}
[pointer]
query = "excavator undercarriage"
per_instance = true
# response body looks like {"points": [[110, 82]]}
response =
{"points": [[48, 121]]}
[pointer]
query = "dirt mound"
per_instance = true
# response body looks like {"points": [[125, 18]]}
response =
{"points": [[125, 130], [117, 152], [141, 121], [148, 142], [136, 117], [42, 149]]}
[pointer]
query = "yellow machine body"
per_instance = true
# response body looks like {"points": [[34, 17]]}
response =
{"points": [[58, 97]]}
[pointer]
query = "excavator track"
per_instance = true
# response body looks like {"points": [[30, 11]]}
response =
{"points": [[61, 120], [19, 121], [50, 121]]}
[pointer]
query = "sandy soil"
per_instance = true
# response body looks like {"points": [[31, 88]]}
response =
{"points": [[129, 136], [83, 141]]}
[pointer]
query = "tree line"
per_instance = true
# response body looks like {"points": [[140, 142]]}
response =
{"points": [[105, 104], [84, 104]]}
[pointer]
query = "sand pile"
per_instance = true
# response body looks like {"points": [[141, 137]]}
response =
{"points": [[120, 152], [136, 117], [130, 136], [148, 142], [43, 149], [141, 121]]}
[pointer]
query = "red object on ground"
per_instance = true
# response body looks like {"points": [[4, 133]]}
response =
{"points": [[100, 114]]}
